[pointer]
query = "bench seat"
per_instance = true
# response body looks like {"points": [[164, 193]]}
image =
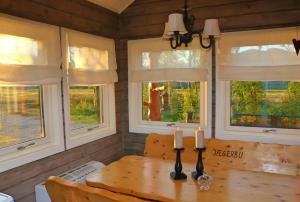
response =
{"points": [[253, 156]]}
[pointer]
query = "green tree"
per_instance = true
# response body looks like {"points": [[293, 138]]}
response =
{"points": [[146, 99], [191, 97], [291, 101], [247, 97], [177, 111]]}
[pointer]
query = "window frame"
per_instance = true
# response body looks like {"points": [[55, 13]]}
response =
{"points": [[107, 128], [138, 125], [53, 127], [245, 133], [10, 156]]}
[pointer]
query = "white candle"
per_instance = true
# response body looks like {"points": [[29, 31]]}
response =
{"points": [[178, 138], [199, 138]]}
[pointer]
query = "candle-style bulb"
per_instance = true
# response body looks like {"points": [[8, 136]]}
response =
{"points": [[199, 138], [178, 135]]}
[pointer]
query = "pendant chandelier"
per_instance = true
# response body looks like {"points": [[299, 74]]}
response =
{"points": [[179, 29]]}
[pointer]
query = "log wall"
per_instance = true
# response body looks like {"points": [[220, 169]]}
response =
{"points": [[146, 18]]}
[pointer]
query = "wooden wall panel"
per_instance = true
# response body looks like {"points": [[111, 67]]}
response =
{"points": [[20, 182], [146, 18], [143, 20], [74, 14], [82, 16]]}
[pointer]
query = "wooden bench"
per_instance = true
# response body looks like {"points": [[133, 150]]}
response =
{"points": [[253, 156], [61, 190]]}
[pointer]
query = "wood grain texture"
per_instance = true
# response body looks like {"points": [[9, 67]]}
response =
{"points": [[85, 17], [20, 182], [149, 178], [74, 14], [145, 19], [253, 156], [61, 190]]}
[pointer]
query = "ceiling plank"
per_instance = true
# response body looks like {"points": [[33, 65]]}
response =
{"points": [[115, 5]]}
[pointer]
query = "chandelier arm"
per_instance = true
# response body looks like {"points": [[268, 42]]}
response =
{"points": [[179, 40], [172, 45], [211, 41]]}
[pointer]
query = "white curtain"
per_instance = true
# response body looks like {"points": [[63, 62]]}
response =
{"points": [[90, 60], [154, 60], [258, 55], [29, 52]]}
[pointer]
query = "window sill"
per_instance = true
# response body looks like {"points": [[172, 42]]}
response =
{"points": [[161, 128]]}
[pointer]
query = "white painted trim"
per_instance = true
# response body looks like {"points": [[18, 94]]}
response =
{"points": [[252, 134], [54, 141], [109, 115], [137, 125], [106, 129]]}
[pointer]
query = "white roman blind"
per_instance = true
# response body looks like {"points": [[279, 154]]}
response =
{"points": [[154, 60], [258, 55], [29, 52], [91, 60]]}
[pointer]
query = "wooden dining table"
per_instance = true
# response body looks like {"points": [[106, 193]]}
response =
{"points": [[149, 178]]}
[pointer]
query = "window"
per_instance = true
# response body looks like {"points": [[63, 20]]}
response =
{"points": [[177, 102], [21, 117], [86, 110], [269, 104], [167, 86], [30, 98], [90, 73], [259, 85]]}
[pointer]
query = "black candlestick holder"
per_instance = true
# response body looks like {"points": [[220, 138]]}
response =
{"points": [[178, 174], [199, 167]]}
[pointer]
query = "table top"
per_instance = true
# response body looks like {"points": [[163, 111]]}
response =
{"points": [[149, 178]]}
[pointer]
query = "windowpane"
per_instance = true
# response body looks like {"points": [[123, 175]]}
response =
{"points": [[21, 117], [172, 102], [273, 104], [86, 107]]}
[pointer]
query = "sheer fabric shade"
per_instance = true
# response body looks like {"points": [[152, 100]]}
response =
{"points": [[152, 60], [90, 60], [258, 55], [29, 55]]}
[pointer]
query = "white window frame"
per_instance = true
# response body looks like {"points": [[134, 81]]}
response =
{"points": [[11, 157], [253, 134], [138, 125], [136, 122], [107, 128], [52, 144]]}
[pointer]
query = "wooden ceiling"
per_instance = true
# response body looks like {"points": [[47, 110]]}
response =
{"points": [[115, 5]]}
